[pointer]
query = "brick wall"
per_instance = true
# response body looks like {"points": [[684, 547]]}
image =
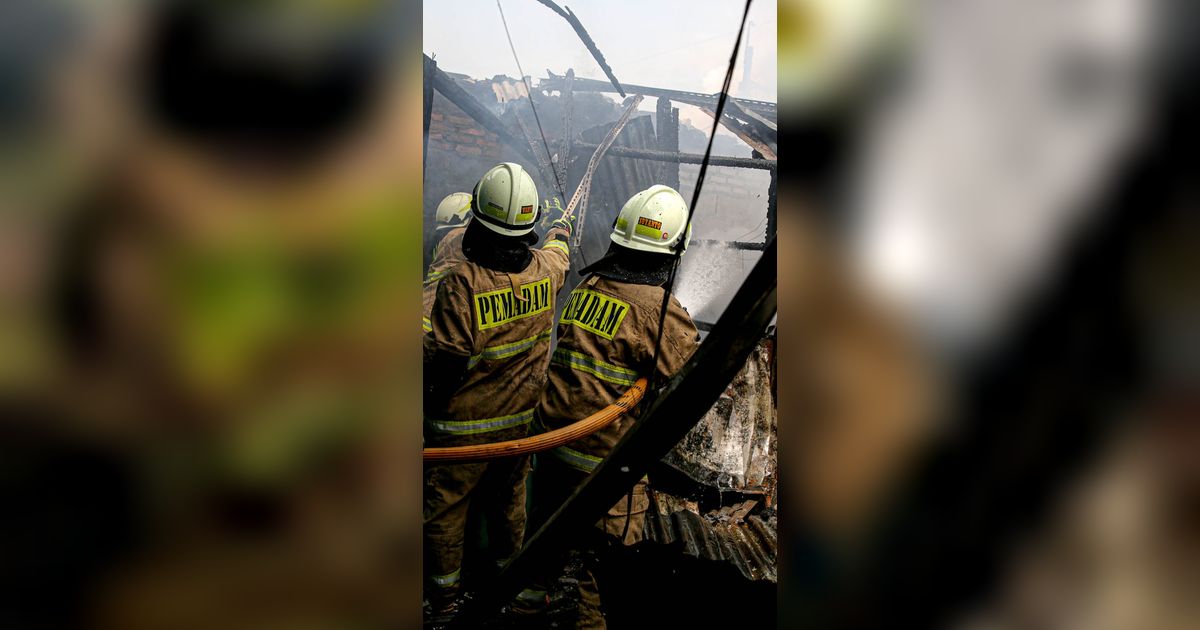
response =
{"points": [[452, 130], [460, 151], [733, 203]]}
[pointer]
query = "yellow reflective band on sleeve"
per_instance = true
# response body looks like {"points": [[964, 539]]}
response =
{"points": [[596, 312], [450, 579], [435, 275], [483, 425], [426, 325], [507, 350], [604, 371], [579, 461], [558, 245]]}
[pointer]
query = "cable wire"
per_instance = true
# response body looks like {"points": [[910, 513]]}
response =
{"points": [[670, 284], [529, 94]]}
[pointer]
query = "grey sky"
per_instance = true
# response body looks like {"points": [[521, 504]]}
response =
{"points": [[677, 44]]}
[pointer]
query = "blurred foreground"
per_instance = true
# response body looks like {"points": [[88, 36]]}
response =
{"points": [[211, 249], [1012, 185]]}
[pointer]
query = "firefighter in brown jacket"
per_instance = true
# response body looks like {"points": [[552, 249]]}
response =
{"points": [[485, 368], [452, 215], [606, 340]]}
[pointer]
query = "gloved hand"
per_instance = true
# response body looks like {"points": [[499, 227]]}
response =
{"points": [[548, 212], [554, 210]]}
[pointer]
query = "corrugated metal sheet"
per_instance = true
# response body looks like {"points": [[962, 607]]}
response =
{"points": [[747, 541]]}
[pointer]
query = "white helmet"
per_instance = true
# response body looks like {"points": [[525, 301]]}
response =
{"points": [[653, 221], [506, 200], [453, 211]]}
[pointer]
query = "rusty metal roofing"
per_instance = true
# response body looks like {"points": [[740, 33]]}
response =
{"points": [[732, 534]]}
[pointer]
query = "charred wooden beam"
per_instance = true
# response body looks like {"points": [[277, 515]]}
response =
{"points": [[742, 245], [667, 118], [773, 206], [473, 108], [427, 84], [568, 107], [765, 125], [765, 109], [587, 41], [757, 126], [764, 144], [684, 401], [682, 158]]}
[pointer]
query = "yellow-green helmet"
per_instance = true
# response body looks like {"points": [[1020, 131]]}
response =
{"points": [[506, 200], [453, 211], [653, 220]]}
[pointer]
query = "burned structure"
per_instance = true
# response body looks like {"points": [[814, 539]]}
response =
{"points": [[470, 124], [714, 501]]}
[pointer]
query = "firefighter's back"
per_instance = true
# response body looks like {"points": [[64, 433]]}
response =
{"points": [[606, 341]]}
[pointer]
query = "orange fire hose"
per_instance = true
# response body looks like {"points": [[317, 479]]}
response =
{"points": [[542, 441]]}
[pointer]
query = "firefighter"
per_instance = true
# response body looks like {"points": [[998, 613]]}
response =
{"points": [[452, 215], [485, 369], [606, 341]]}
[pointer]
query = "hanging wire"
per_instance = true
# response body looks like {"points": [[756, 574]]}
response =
{"points": [[529, 93], [670, 284], [757, 228]]}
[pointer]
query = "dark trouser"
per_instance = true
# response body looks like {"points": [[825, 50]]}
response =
{"points": [[553, 484], [498, 487]]}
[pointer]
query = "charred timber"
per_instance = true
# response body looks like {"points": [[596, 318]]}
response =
{"points": [[568, 110], [666, 122], [685, 400], [427, 105], [763, 108], [681, 158], [772, 205], [473, 108], [766, 126], [762, 141], [746, 245], [569, 16]]}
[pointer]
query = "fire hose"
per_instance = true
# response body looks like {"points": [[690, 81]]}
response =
{"points": [[542, 441]]}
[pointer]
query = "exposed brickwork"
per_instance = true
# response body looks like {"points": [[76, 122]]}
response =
{"points": [[732, 203], [452, 130], [460, 152]]}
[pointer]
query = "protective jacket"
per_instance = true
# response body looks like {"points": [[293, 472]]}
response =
{"points": [[501, 324], [606, 340], [489, 331], [446, 256]]}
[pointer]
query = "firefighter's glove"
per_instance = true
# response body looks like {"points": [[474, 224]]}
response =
{"points": [[554, 208], [551, 212], [564, 223]]}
